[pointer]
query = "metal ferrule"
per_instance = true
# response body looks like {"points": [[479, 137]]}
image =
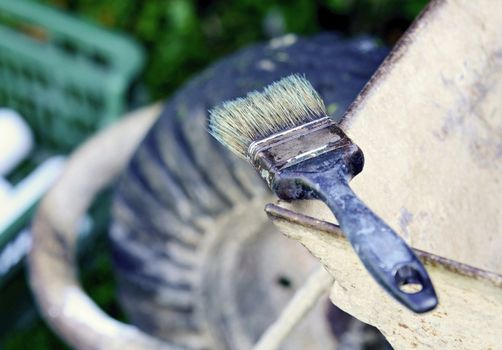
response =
{"points": [[290, 147]]}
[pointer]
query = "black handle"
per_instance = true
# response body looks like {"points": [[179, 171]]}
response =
{"points": [[386, 256]]}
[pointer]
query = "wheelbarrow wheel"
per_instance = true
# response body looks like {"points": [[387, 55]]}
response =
{"points": [[197, 262]]}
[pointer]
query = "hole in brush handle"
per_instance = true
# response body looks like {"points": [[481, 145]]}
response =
{"points": [[409, 280], [415, 287]]}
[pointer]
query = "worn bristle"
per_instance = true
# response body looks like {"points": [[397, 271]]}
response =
{"points": [[285, 104]]}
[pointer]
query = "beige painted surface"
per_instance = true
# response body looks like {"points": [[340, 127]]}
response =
{"points": [[469, 315], [430, 126]]}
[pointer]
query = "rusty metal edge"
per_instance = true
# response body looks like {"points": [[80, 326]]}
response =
{"points": [[278, 213]]}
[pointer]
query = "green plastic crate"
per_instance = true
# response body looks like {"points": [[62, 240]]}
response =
{"points": [[66, 77]]}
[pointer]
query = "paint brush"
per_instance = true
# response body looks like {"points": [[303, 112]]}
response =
{"points": [[285, 133]]}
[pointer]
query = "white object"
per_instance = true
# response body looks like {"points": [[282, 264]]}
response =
{"points": [[29, 191], [15, 251], [5, 188], [16, 140], [5, 192]]}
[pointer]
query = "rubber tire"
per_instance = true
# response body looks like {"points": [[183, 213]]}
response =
{"points": [[181, 182]]}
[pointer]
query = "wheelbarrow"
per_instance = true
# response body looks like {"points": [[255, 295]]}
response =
{"points": [[427, 122]]}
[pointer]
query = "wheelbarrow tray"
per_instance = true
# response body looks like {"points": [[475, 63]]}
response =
{"points": [[430, 125]]}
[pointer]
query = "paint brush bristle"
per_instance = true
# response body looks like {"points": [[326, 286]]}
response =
{"points": [[285, 104]]}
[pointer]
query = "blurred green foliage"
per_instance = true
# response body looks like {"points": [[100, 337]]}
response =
{"points": [[182, 37]]}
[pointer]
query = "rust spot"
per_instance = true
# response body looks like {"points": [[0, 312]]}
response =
{"points": [[276, 212], [403, 325], [343, 287]]}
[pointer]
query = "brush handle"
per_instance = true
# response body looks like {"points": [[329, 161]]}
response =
{"points": [[384, 254], [326, 176]]}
